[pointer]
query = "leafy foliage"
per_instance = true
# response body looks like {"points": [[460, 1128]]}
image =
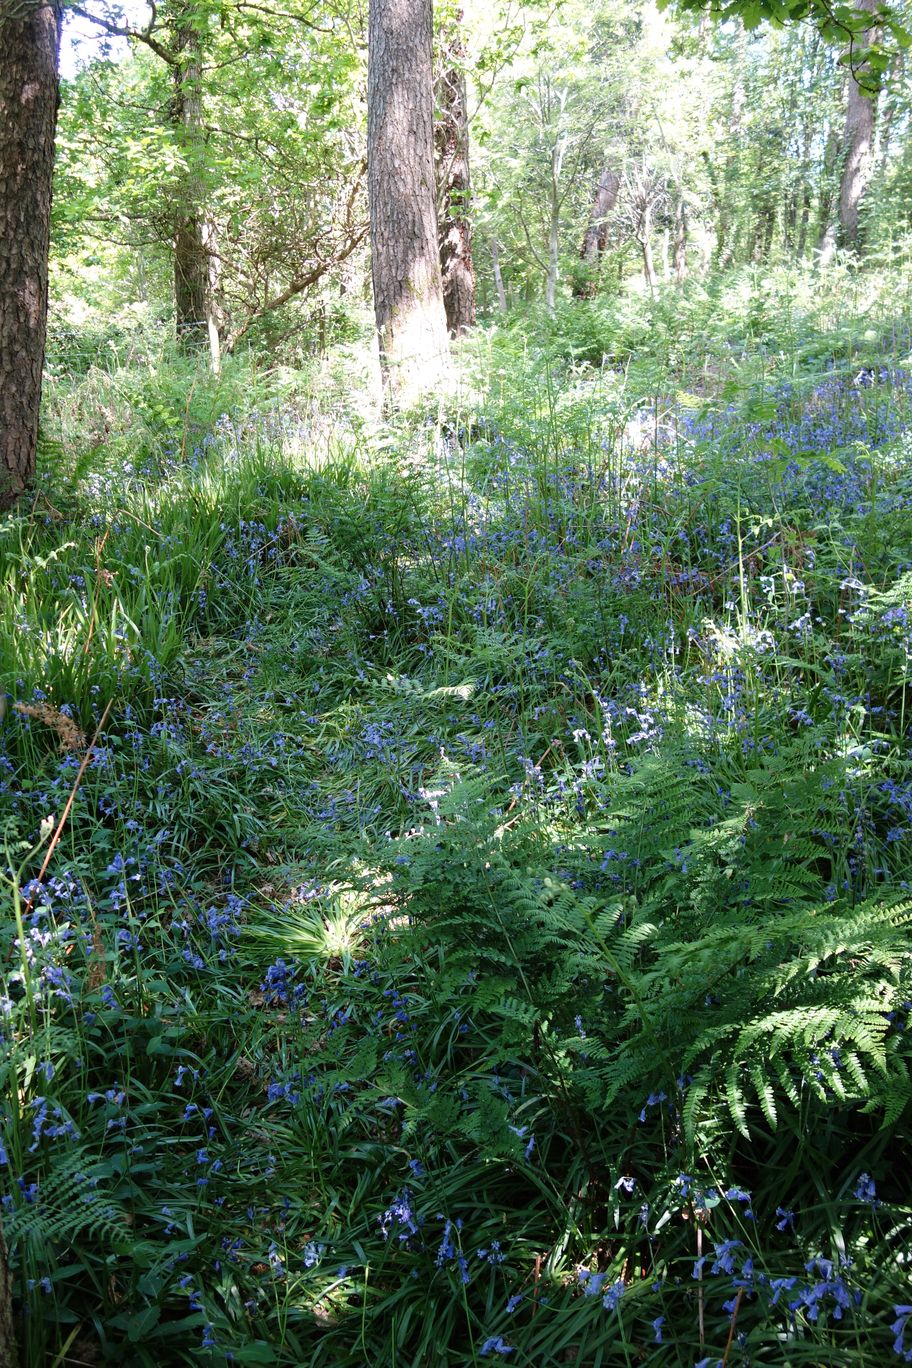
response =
{"points": [[481, 928]]}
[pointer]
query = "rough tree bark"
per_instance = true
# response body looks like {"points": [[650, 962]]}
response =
{"points": [[595, 238], [405, 259], [826, 232], [451, 137], [196, 318], [858, 140], [29, 51]]}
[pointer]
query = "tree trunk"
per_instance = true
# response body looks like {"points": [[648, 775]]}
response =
{"points": [[649, 270], [645, 240], [595, 238], [826, 233], [195, 319], [859, 136], [29, 51], [215, 313], [680, 239], [9, 1354], [553, 273], [454, 190], [405, 258], [498, 276], [805, 217]]}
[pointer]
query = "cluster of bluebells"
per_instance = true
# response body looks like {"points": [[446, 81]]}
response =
{"points": [[552, 578]]}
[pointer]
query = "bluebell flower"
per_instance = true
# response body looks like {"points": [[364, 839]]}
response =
{"points": [[591, 1283], [399, 1217], [902, 1314], [495, 1345], [613, 1295], [725, 1256], [866, 1190]]}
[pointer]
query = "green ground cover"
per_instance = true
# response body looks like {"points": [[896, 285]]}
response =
{"points": [[481, 928]]}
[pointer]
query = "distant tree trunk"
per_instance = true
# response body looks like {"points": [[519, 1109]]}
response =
{"points": [[553, 272], [679, 255], [826, 233], [649, 270], [215, 313], [454, 189], [498, 276], [405, 258], [858, 140], [804, 218], [666, 253], [195, 320], [595, 238], [29, 53]]}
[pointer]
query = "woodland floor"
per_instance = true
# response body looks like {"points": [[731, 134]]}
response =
{"points": [[481, 926]]}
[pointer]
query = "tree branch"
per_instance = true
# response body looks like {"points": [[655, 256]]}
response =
{"points": [[297, 286], [134, 34]]}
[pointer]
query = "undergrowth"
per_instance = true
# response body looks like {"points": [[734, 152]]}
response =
{"points": [[480, 929]]}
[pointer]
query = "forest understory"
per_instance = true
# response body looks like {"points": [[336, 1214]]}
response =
{"points": [[459, 865]]}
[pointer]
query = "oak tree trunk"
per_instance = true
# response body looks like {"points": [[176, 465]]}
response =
{"points": [[29, 51], [595, 238], [195, 316], [451, 136], [405, 259], [858, 141]]}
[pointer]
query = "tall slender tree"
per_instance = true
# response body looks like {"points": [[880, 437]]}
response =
{"points": [[405, 259], [861, 109], [176, 36], [451, 137], [29, 55], [195, 302]]}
